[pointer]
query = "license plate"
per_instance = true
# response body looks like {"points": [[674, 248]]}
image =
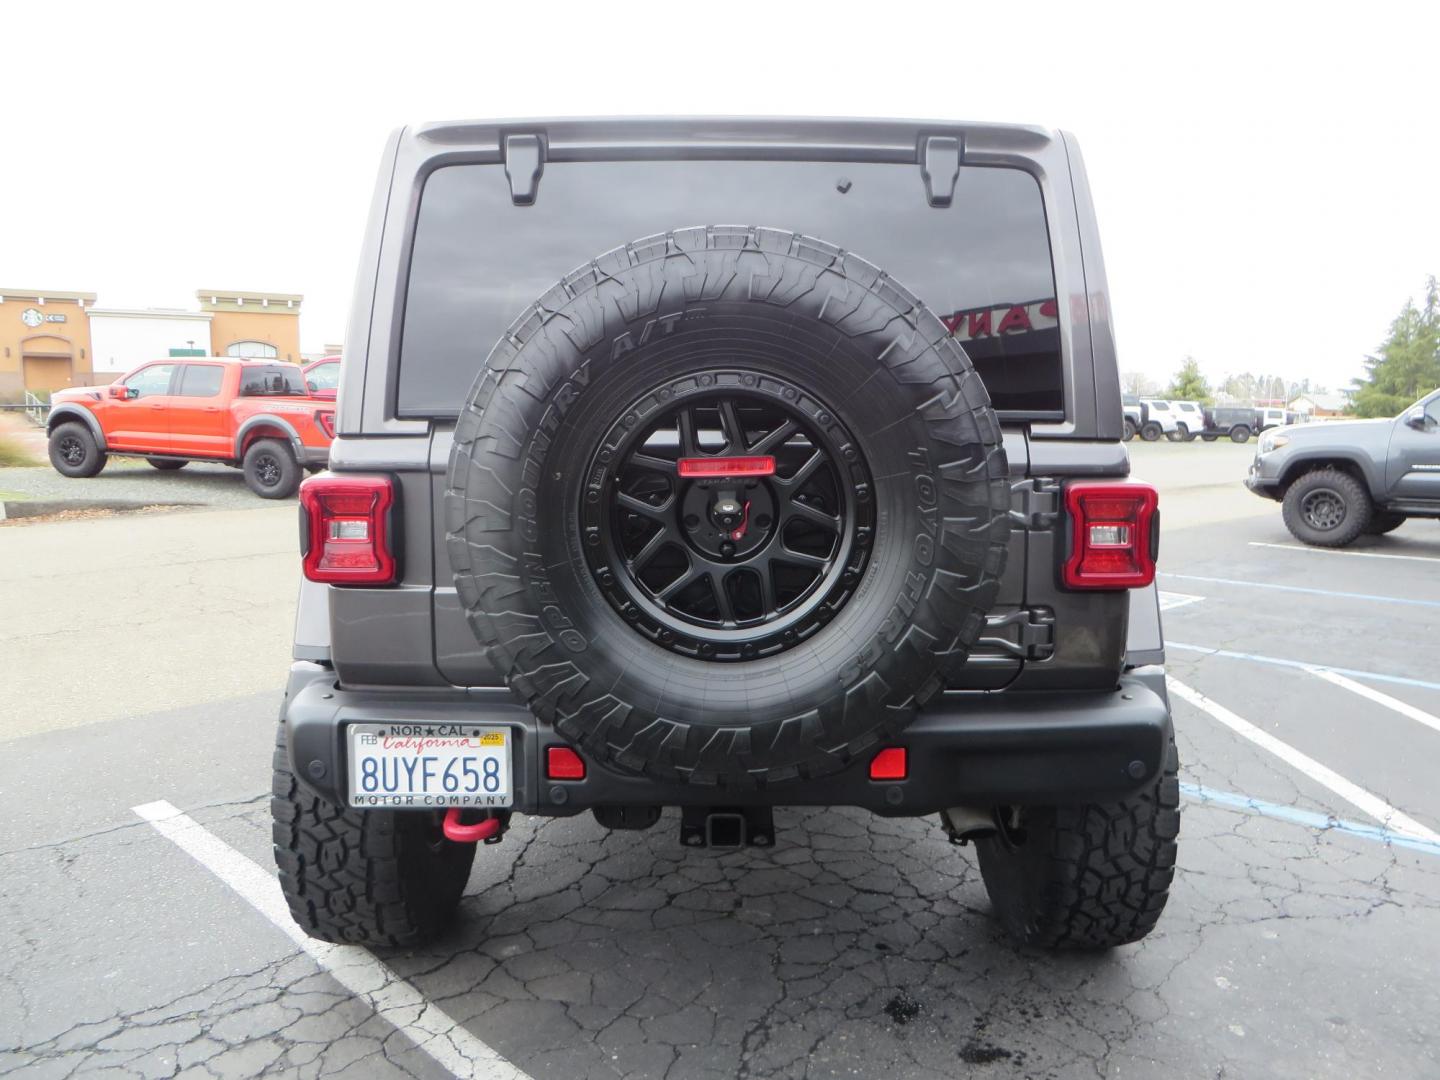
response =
{"points": [[429, 765]]}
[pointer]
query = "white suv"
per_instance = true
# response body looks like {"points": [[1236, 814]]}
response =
{"points": [[1189, 420], [1160, 419]]}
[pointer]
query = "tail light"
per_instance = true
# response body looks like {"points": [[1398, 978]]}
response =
{"points": [[1114, 535], [727, 466], [325, 420], [347, 529]]}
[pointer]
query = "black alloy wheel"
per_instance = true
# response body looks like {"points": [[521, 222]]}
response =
{"points": [[1323, 509], [268, 470], [735, 523], [71, 450]]}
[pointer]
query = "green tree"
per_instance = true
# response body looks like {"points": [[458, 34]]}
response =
{"points": [[1408, 362], [1188, 384]]}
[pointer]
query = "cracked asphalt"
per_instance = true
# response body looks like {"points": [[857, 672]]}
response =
{"points": [[856, 947]]}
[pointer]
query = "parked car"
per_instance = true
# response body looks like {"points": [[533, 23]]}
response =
{"points": [[252, 414], [1134, 413], [1160, 418], [322, 377], [1238, 422], [675, 559], [1342, 479], [1189, 420], [1272, 417]]}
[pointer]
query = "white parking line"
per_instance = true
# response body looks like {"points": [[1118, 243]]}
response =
{"points": [[427, 1025], [1367, 597], [1404, 708], [1353, 554], [1169, 601], [1280, 661], [1364, 801]]}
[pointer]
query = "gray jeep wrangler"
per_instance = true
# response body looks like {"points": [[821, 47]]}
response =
{"points": [[1338, 480], [723, 465]]}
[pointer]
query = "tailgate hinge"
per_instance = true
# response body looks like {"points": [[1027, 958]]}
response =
{"points": [[1026, 633], [940, 157], [1035, 504], [524, 162]]}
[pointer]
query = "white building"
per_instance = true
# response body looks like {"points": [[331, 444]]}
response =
{"points": [[122, 339]]}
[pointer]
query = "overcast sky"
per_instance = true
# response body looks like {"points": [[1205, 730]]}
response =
{"points": [[1266, 176]]}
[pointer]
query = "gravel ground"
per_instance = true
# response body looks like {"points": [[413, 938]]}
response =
{"points": [[216, 486]]}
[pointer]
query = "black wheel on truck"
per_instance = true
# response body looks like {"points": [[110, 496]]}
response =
{"points": [[688, 541], [1209, 438], [363, 877], [1240, 434], [1384, 521], [1327, 508], [271, 470], [1086, 877], [1130, 430], [165, 464], [74, 451], [1150, 431]]}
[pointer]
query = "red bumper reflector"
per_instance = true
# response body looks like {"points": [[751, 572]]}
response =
{"points": [[562, 763], [888, 764], [728, 466]]}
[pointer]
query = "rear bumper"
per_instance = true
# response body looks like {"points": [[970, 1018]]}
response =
{"points": [[970, 749]]}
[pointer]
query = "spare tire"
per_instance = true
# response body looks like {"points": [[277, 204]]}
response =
{"points": [[726, 505]]}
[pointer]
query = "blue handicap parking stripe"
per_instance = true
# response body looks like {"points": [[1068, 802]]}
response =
{"points": [[1308, 818]]}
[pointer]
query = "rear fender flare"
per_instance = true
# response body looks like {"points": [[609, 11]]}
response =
{"points": [[59, 414], [266, 420]]}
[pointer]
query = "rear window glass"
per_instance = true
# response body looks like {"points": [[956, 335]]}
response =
{"points": [[983, 264], [271, 381], [201, 380]]}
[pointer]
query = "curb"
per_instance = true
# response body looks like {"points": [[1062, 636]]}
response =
{"points": [[15, 509]]}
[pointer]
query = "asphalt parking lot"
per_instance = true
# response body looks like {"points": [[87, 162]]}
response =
{"points": [[143, 660]]}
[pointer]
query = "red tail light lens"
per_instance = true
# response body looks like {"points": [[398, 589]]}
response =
{"points": [[347, 531], [1114, 535], [728, 466], [325, 420]]}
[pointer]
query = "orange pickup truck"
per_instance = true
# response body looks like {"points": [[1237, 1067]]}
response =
{"points": [[252, 414]]}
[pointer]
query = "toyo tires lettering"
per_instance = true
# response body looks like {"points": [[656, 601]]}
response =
{"points": [[928, 503]]}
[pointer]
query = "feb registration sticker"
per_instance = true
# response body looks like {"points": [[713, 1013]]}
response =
{"points": [[429, 765]]}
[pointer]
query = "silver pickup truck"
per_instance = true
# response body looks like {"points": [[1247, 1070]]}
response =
{"points": [[1340, 480]]}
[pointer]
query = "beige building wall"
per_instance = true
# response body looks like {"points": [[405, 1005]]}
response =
{"points": [[269, 318], [44, 340]]}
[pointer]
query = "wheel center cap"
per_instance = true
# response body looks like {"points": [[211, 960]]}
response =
{"points": [[726, 518]]}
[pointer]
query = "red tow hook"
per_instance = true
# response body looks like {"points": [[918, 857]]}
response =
{"points": [[469, 834]]}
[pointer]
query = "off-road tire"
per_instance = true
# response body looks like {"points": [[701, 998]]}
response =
{"points": [[1151, 431], [759, 310], [74, 451], [1209, 438], [1180, 434], [1240, 434], [362, 877], [1384, 521], [1130, 430], [1091, 876], [271, 470], [166, 464], [1350, 492]]}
